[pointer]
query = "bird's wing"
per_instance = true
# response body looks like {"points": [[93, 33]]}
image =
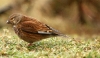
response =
{"points": [[37, 27], [28, 27]]}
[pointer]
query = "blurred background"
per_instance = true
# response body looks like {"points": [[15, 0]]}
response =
{"points": [[80, 17]]}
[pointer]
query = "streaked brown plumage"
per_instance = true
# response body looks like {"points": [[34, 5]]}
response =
{"points": [[30, 29]]}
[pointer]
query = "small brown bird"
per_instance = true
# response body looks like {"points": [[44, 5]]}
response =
{"points": [[30, 29]]}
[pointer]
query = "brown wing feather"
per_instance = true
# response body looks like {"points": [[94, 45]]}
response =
{"points": [[37, 27]]}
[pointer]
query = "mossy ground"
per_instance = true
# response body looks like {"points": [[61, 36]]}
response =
{"points": [[56, 47]]}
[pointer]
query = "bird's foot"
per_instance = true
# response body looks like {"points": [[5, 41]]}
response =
{"points": [[30, 44]]}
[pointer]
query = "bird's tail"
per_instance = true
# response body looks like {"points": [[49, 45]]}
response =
{"points": [[63, 35]]}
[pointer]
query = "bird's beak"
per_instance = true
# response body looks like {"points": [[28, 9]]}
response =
{"points": [[8, 22]]}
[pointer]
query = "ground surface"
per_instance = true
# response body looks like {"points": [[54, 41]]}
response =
{"points": [[58, 47]]}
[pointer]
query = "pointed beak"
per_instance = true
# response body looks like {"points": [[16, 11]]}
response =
{"points": [[8, 22]]}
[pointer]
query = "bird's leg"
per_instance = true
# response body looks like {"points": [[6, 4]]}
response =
{"points": [[30, 44]]}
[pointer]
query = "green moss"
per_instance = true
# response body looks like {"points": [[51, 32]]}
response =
{"points": [[56, 47]]}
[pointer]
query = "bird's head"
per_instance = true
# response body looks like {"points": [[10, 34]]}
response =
{"points": [[14, 19]]}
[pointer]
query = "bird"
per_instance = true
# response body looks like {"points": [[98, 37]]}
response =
{"points": [[30, 29]]}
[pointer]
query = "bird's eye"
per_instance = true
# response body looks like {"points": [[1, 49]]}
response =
{"points": [[12, 18]]}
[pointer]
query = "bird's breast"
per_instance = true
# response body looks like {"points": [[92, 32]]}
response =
{"points": [[16, 29]]}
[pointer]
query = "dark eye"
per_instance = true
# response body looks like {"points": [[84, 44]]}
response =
{"points": [[12, 18]]}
